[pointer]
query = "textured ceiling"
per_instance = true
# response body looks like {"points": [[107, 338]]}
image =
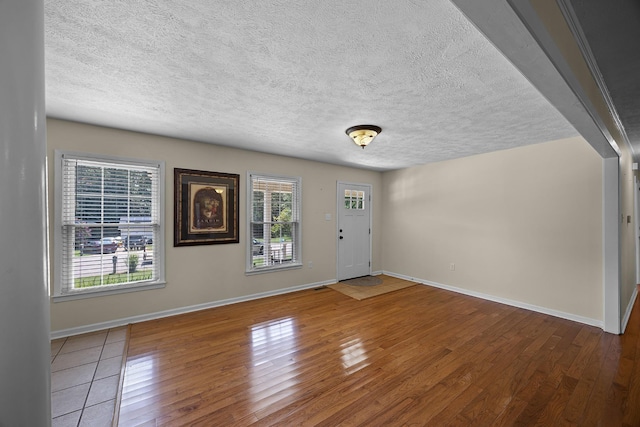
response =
{"points": [[288, 77]]}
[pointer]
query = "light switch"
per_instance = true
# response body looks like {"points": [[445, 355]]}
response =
{"points": [[327, 217]]}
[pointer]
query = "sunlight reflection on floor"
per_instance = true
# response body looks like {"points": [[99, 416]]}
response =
{"points": [[273, 345], [354, 356]]}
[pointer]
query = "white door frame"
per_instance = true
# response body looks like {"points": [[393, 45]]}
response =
{"points": [[339, 202], [636, 208], [611, 245]]}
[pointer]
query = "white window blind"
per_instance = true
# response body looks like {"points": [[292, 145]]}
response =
{"points": [[110, 225], [275, 222]]}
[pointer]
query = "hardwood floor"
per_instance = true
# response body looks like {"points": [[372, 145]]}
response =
{"points": [[417, 356]]}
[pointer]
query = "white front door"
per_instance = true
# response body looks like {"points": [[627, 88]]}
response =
{"points": [[354, 235]]}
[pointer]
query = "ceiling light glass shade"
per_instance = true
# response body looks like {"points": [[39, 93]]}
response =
{"points": [[362, 135]]}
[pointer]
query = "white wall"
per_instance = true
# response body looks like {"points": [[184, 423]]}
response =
{"points": [[523, 225], [628, 283], [205, 274], [25, 351]]}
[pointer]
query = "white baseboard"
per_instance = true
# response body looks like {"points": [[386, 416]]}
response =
{"points": [[519, 304], [627, 313], [173, 312]]}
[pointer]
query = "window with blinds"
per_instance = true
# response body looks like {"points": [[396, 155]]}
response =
{"points": [[274, 222], [108, 224]]}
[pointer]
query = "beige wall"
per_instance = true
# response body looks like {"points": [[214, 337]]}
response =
{"points": [[550, 14], [522, 224], [205, 274]]}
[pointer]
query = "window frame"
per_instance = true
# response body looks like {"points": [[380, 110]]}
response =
{"points": [[297, 263], [59, 293]]}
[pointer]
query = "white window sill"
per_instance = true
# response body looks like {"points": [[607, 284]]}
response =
{"points": [[273, 268], [111, 290]]}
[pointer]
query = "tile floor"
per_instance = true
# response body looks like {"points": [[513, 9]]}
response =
{"points": [[85, 374]]}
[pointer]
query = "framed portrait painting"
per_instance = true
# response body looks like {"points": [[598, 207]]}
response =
{"points": [[206, 207]]}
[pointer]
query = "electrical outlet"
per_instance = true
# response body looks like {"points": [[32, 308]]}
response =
{"points": [[310, 264], [452, 267]]}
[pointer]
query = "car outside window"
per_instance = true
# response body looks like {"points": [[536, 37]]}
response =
{"points": [[102, 206], [274, 222]]}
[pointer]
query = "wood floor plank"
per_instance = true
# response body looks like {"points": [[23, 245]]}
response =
{"points": [[455, 407], [416, 356]]}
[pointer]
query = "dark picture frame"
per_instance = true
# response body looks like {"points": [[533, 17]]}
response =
{"points": [[206, 207]]}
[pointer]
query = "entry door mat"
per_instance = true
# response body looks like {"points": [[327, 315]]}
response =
{"points": [[363, 281], [360, 292]]}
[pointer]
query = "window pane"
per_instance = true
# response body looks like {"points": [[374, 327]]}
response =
{"points": [[275, 215], [89, 179], [111, 222], [88, 209]]}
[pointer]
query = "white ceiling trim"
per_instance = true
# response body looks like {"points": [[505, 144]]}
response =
{"points": [[575, 28]]}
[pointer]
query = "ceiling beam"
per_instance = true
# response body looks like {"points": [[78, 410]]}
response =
{"points": [[515, 28]]}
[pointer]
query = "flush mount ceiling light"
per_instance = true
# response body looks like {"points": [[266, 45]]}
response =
{"points": [[362, 135]]}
